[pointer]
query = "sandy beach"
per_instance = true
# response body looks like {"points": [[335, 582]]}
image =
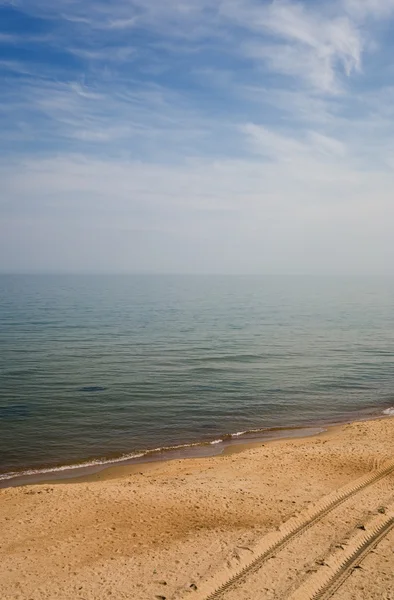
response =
{"points": [[182, 529]]}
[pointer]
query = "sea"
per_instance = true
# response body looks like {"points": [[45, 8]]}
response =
{"points": [[98, 370]]}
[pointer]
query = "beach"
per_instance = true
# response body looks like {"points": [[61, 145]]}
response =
{"points": [[183, 360], [180, 529]]}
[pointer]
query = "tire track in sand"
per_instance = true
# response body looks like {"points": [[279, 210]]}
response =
{"points": [[337, 568], [221, 581]]}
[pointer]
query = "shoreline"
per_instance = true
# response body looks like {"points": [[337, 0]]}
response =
{"points": [[227, 444], [170, 528]]}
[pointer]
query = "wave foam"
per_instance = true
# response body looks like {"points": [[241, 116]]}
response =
{"points": [[240, 433], [100, 462], [145, 453], [389, 411], [92, 463]]}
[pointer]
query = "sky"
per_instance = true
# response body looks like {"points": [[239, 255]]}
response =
{"points": [[197, 136]]}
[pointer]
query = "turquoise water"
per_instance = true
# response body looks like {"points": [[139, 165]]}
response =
{"points": [[95, 367]]}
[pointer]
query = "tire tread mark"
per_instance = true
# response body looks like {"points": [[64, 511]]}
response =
{"points": [[277, 540], [325, 582]]}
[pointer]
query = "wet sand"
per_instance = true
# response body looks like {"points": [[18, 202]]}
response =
{"points": [[161, 530]]}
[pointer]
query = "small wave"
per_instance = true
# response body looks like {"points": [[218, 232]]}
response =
{"points": [[240, 433], [14, 411], [166, 448], [145, 453], [389, 411], [101, 462], [91, 463]]}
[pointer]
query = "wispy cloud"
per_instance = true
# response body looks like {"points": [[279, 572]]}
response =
{"points": [[108, 54], [310, 45], [197, 135]]}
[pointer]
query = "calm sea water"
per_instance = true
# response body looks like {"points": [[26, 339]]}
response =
{"points": [[93, 367]]}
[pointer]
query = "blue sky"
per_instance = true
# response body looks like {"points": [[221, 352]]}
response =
{"points": [[227, 136]]}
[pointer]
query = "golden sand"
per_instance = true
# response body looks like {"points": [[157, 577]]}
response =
{"points": [[163, 530]]}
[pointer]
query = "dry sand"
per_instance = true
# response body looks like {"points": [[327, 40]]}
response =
{"points": [[162, 530]]}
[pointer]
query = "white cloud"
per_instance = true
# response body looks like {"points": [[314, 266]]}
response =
{"points": [[252, 152], [144, 119], [310, 45], [309, 42], [316, 70]]}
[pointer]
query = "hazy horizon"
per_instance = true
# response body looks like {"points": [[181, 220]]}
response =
{"points": [[328, 275]]}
